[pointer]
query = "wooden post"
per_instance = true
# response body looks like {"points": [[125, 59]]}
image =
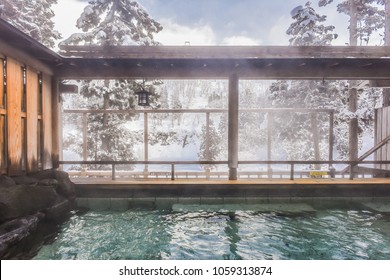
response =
{"points": [[386, 91], [208, 154], [146, 143], [315, 139], [376, 135], [56, 126], [233, 127], [47, 121], [353, 97], [269, 142], [85, 141], [331, 136], [353, 124]]}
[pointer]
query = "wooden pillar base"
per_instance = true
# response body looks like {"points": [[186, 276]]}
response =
{"points": [[232, 173]]}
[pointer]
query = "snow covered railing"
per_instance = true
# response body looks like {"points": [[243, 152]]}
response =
{"points": [[173, 174]]}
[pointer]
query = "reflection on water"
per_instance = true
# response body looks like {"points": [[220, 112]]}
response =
{"points": [[224, 232]]}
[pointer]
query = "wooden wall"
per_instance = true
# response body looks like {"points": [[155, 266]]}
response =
{"points": [[47, 122], [14, 80], [382, 130], [26, 126], [3, 155]]}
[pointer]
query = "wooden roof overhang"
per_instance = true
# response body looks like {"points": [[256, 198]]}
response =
{"points": [[16, 44], [199, 62], [205, 62]]}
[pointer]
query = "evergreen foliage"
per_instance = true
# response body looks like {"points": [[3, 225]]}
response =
{"points": [[114, 23], [307, 28], [370, 16], [111, 23], [33, 17]]}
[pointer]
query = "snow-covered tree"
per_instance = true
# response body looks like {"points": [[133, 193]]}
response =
{"points": [[114, 23], [307, 28], [365, 18], [295, 130], [210, 147], [368, 18], [308, 25], [33, 17]]}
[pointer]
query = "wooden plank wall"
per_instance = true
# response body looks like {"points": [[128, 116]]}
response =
{"points": [[382, 130], [3, 160], [14, 116], [22, 138], [32, 87]]}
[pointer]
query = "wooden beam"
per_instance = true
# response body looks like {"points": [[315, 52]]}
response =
{"points": [[47, 121], [197, 111], [65, 88], [19, 55], [362, 69], [56, 124], [380, 83], [225, 52], [233, 127]]}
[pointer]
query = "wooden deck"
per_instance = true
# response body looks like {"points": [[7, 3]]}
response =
{"points": [[266, 188]]}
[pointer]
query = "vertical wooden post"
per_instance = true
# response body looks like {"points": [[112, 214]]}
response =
{"points": [[353, 124], [146, 143], [353, 97], [56, 126], [269, 141], [207, 136], [85, 139], [85, 146], [233, 127], [47, 121], [386, 91], [376, 134], [208, 154], [316, 141], [331, 136]]}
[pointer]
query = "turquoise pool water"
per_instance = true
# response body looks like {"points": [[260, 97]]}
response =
{"points": [[235, 231]]}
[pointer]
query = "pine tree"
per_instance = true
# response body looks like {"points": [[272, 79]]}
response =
{"points": [[307, 28], [113, 22], [210, 148], [295, 130], [368, 19], [33, 17]]}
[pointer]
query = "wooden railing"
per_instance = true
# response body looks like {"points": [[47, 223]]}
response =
{"points": [[271, 112], [291, 172]]}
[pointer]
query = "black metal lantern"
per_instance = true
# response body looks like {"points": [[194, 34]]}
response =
{"points": [[143, 98]]}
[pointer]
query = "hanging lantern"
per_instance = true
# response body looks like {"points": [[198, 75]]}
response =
{"points": [[143, 98]]}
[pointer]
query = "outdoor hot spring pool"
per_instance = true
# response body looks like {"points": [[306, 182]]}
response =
{"points": [[306, 230]]}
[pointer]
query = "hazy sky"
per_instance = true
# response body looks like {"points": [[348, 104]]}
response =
{"points": [[214, 22]]}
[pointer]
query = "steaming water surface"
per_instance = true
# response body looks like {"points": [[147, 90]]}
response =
{"points": [[225, 232]]}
